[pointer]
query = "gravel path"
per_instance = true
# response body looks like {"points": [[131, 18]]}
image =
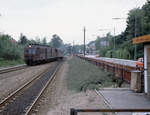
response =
{"points": [[57, 99], [11, 81]]}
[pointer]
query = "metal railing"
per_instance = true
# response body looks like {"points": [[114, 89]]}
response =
{"points": [[76, 111]]}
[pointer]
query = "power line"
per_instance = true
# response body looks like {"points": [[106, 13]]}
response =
{"points": [[137, 2], [128, 2]]}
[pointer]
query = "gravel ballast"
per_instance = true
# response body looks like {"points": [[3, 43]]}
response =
{"points": [[27, 96], [11, 81], [58, 99]]}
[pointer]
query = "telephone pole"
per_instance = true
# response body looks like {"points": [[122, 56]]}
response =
{"points": [[84, 40], [114, 39], [135, 34], [73, 50]]}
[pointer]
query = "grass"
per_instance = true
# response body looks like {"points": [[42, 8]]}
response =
{"points": [[83, 75], [6, 63]]}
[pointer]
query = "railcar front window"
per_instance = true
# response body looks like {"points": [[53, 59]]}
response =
{"points": [[31, 51], [26, 51]]}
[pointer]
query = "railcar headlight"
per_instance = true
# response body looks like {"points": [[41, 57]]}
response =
{"points": [[30, 46]]}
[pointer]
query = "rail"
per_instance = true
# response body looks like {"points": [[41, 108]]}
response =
{"points": [[10, 69], [26, 96], [36, 99]]}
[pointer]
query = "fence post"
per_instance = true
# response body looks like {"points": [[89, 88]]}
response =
{"points": [[107, 67], [103, 66], [114, 70], [122, 74]]}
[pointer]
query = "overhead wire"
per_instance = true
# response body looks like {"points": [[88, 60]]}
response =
{"points": [[137, 3], [127, 4]]}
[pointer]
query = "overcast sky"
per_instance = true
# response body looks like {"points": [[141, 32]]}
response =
{"points": [[65, 18]]}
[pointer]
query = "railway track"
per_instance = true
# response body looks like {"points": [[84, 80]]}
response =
{"points": [[22, 100], [10, 69]]}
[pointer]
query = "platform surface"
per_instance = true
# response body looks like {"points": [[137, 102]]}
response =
{"points": [[125, 99], [124, 62]]}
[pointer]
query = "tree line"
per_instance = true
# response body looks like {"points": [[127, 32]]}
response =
{"points": [[138, 24], [10, 49]]}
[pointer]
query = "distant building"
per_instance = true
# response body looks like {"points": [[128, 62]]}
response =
{"points": [[104, 43], [92, 49], [13, 41]]}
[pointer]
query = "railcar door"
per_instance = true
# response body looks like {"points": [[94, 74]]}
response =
{"points": [[45, 53], [51, 52], [38, 54], [56, 51]]}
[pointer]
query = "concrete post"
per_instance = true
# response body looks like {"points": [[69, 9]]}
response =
{"points": [[136, 81]]}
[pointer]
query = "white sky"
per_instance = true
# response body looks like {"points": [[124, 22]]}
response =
{"points": [[65, 18]]}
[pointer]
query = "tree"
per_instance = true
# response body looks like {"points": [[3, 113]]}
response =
{"points": [[135, 23], [23, 39], [10, 50], [56, 41], [44, 41], [38, 40], [146, 12]]}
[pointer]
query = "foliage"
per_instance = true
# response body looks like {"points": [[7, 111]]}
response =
{"points": [[56, 41], [138, 24], [23, 39], [82, 75], [44, 41], [9, 49], [5, 63]]}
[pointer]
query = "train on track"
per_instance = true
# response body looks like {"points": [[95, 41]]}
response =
{"points": [[36, 54]]}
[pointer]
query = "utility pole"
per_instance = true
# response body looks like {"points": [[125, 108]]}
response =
{"points": [[114, 39], [84, 40], [135, 34], [73, 51]]}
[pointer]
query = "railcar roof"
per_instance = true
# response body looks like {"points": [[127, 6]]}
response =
{"points": [[41, 45]]}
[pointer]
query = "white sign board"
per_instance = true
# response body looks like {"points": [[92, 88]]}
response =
{"points": [[140, 113]]}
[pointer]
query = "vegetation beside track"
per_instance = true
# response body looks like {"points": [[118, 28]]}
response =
{"points": [[5, 63], [83, 75]]}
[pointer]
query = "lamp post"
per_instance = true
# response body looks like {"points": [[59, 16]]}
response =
{"points": [[116, 18]]}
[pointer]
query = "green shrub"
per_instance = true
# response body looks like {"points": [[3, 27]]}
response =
{"points": [[83, 75], [10, 50]]}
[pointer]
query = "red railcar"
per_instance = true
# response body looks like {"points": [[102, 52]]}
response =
{"points": [[34, 54]]}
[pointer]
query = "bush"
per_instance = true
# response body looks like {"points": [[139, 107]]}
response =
{"points": [[10, 50], [11, 54], [83, 75]]}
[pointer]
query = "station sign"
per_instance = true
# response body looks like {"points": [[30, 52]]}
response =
{"points": [[141, 39]]}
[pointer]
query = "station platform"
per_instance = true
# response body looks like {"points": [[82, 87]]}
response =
{"points": [[124, 62], [124, 98], [121, 68]]}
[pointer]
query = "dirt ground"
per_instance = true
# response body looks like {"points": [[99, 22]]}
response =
{"points": [[57, 99]]}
